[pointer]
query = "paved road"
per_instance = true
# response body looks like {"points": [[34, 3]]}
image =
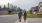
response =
{"points": [[8, 19], [12, 19], [34, 20]]}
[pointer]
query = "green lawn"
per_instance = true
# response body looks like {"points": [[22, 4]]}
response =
{"points": [[33, 15]]}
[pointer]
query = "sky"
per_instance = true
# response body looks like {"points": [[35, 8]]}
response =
{"points": [[24, 4]]}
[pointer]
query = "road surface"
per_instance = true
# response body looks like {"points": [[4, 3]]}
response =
{"points": [[8, 19], [14, 18], [34, 20]]}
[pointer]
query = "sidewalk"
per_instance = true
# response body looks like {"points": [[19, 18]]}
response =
{"points": [[22, 21]]}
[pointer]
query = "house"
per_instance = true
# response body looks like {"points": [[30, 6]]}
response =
{"points": [[37, 9], [40, 8], [34, 10]]}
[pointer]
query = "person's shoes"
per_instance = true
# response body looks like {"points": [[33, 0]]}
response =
{"points": [[19, 21]]}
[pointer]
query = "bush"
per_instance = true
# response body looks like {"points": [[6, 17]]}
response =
{"points": [[9, 12]]}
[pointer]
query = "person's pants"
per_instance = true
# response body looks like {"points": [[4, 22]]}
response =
{"points": [[24, 18], [19, 18]]}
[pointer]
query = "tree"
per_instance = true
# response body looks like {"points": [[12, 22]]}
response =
{"points": [[19, 9], [31, 11], [4, 7], [15, 7], [0, 8], [8, 7], [37, 9]]}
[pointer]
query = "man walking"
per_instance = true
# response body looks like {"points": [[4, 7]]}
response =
{"points": [[20, 15]]}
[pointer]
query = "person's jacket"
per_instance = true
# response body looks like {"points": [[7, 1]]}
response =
{"points": [[20, 13]]}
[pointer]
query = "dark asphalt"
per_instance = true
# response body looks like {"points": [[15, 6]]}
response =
{"points": [[8, 19]]}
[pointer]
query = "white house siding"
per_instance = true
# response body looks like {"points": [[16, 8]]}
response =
{"points": [[3, 12], [40, 9]]}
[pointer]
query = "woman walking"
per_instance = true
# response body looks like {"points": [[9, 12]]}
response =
{"points": [[25, 16]]}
